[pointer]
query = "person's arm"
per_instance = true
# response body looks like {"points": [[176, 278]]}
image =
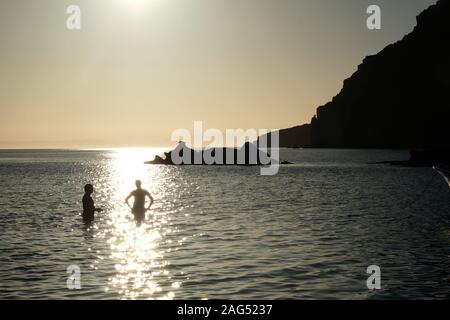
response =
{"points": [[89, 206], [151, 200], [128, 198], [94, 208]]}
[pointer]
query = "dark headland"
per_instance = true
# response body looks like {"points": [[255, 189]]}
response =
{"points": [[398, 98]]}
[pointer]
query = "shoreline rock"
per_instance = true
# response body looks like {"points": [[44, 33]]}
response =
{"points": [[423, 158], [248, 155]]}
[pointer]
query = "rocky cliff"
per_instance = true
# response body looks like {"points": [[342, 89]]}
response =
{"points": [[296, 137], [398, 98]]}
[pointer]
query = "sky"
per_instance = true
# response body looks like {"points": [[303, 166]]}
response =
{"points": [[139, 69]]}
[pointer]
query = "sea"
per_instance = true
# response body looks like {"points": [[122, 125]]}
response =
{"points": [[316, 230]]}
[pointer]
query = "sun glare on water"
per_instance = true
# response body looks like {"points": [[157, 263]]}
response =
{"points": [[129, 162], [140, 267]]}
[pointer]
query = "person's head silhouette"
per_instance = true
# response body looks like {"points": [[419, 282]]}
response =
{"points": [[138, 184], [89, 188]]}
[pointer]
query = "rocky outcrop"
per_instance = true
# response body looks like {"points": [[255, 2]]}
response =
{"points": [[247, 155], [398, 98], [424, 158]]}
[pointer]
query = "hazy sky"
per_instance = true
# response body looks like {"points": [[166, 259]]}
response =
{"points": [[139, 69]]}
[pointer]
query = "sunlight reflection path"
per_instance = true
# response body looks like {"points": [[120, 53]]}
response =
{"points": [[141, 271]]}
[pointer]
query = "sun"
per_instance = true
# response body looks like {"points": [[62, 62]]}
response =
{"points": [[138, 9], [136, 5]]}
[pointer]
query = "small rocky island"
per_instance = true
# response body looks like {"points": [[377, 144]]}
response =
{"points": [[248, 155]]}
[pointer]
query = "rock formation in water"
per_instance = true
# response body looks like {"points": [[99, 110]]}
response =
{"points": [[247, 155], [398, 98]]}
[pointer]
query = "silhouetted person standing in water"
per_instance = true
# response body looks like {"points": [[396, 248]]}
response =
{"points": [[88, 204], [139, 195]]}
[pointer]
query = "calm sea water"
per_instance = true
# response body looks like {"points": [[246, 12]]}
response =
{"points": [[224, 232]]}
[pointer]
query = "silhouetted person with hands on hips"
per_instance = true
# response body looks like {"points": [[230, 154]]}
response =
{"points": [[139, 195]]}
